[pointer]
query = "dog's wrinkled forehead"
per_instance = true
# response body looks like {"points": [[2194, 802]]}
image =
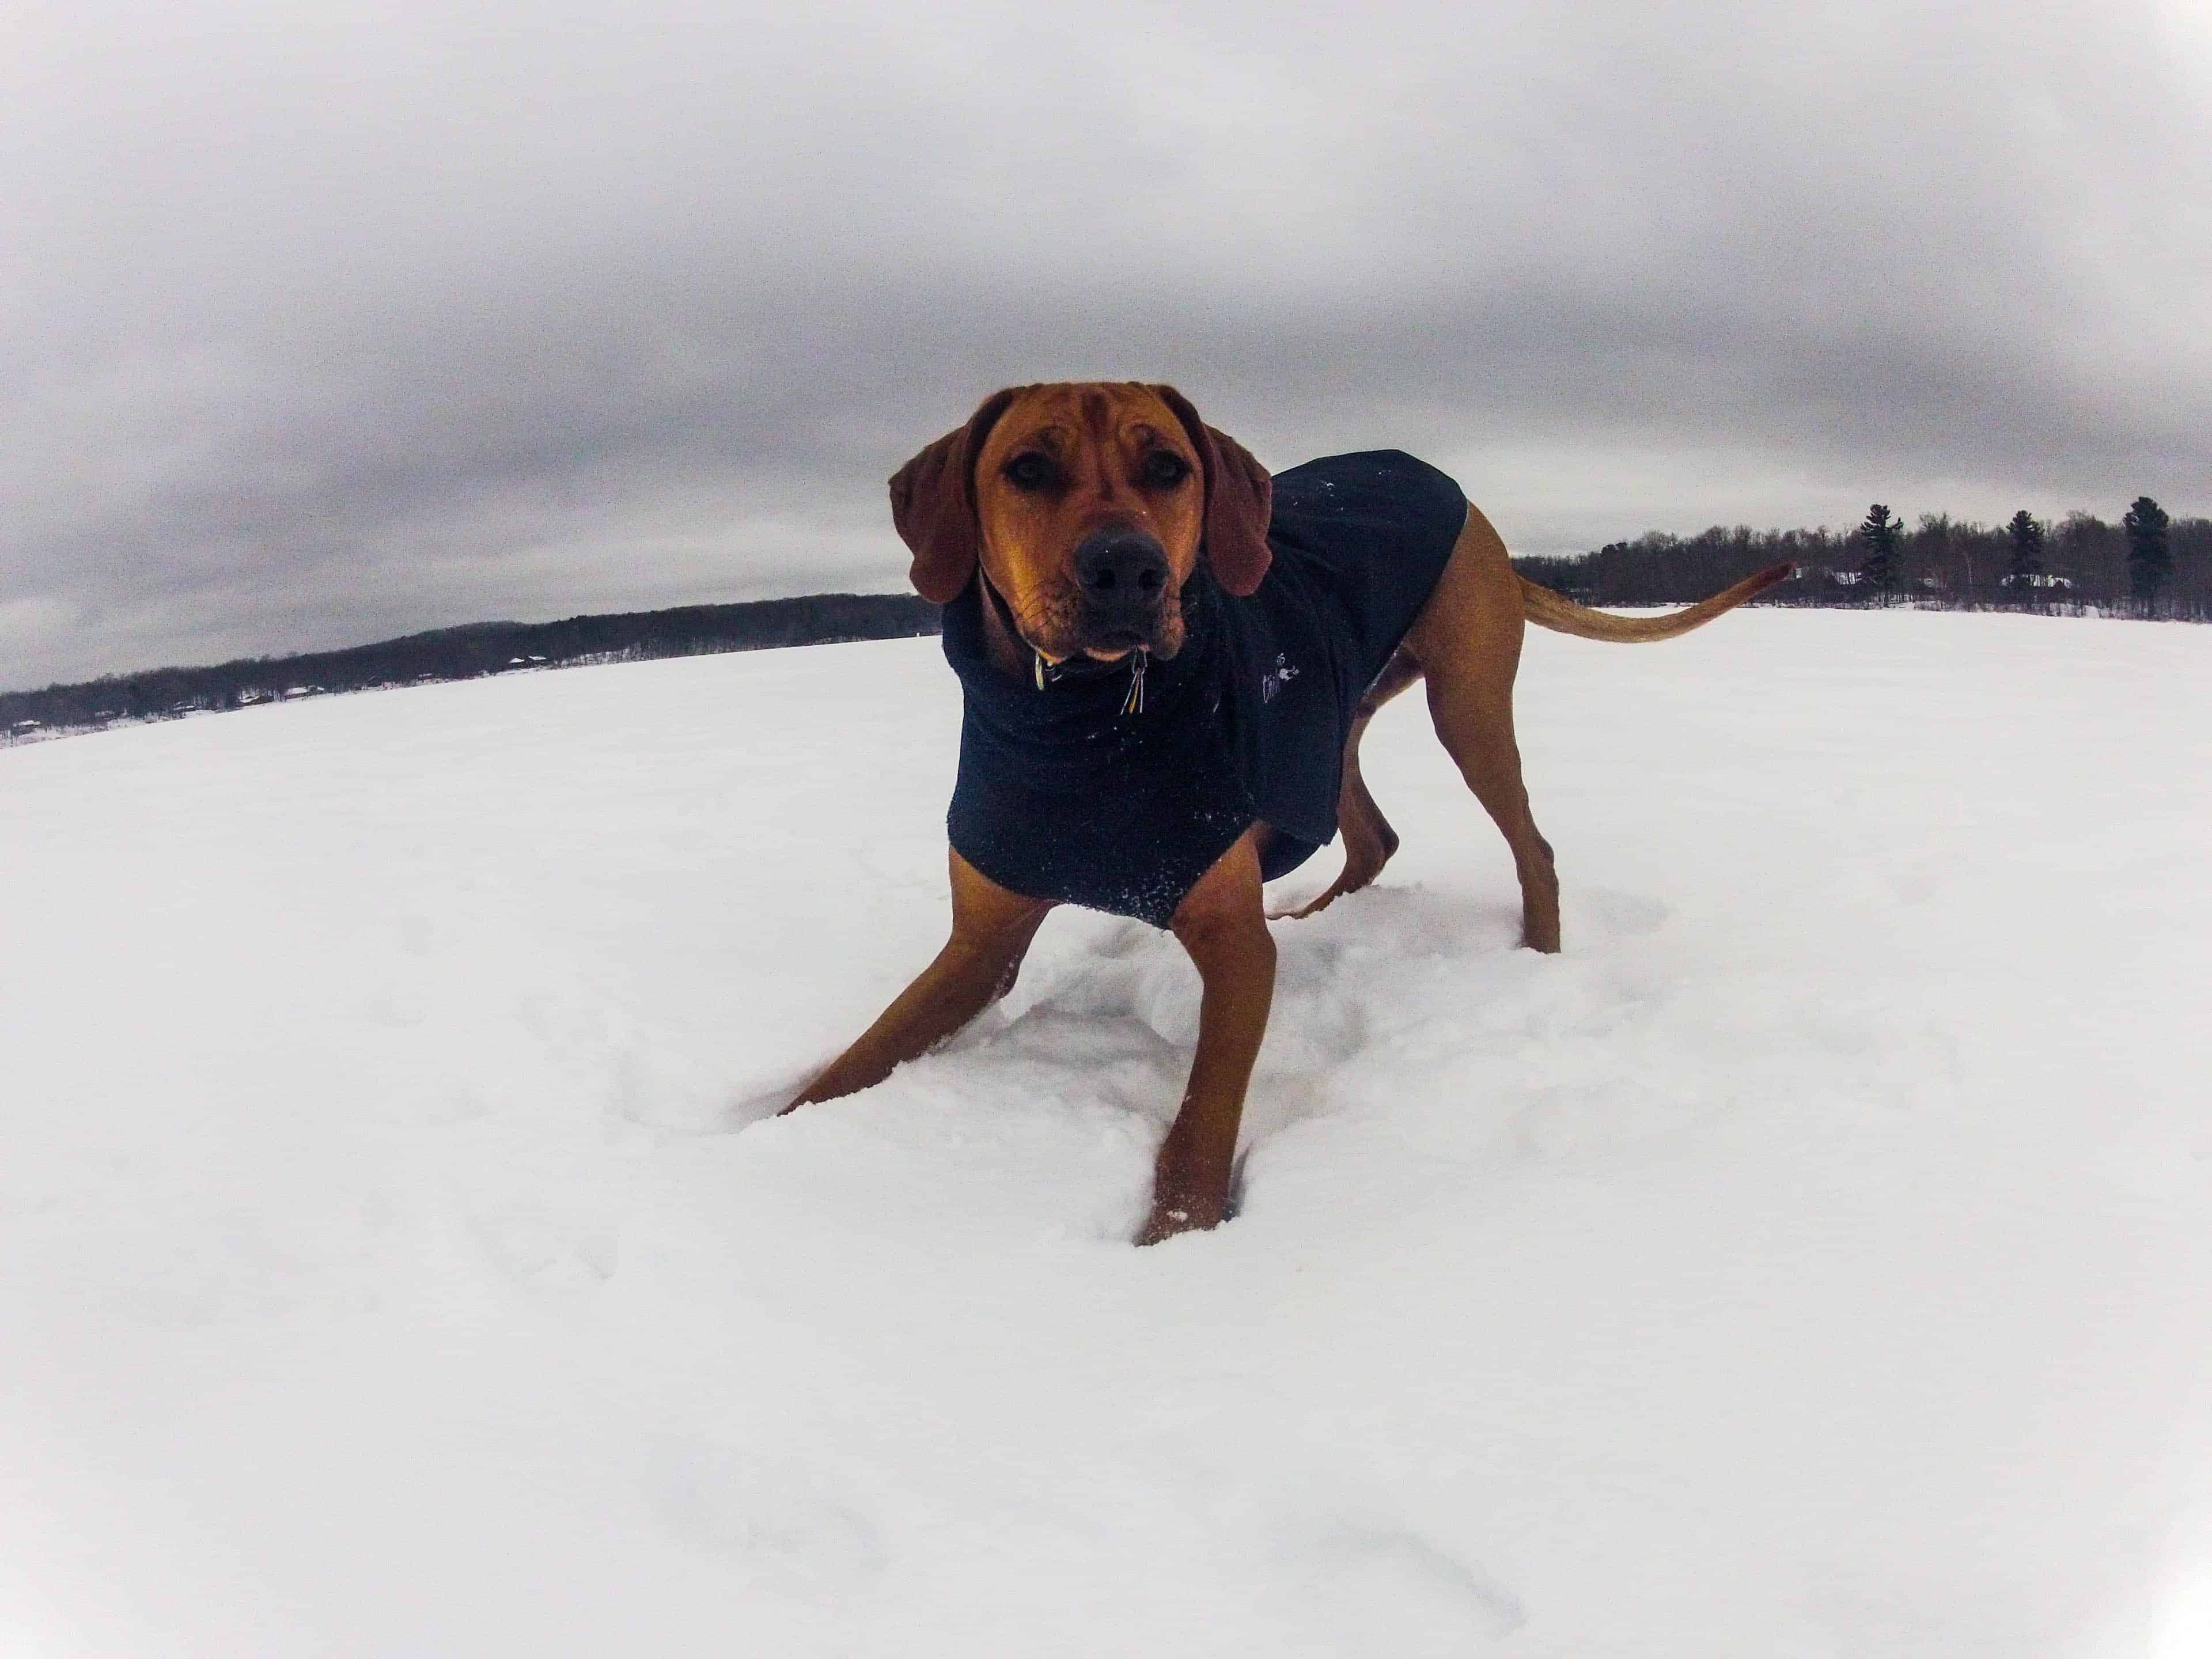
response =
{"points": [[1071, 420]]}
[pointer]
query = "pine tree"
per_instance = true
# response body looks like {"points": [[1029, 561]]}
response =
{"points": [[2149, 560], [2027, 558], [1879, 535]]}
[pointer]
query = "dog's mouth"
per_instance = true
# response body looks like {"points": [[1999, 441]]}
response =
{"points": [[1058, 625], [1109, 644], [1110, 639], [1108, 634]]}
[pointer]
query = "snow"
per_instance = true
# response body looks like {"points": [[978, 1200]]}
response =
{"points": [[396, 1257]]}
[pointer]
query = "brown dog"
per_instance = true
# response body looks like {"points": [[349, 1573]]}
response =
{"points": [[1088, 509]]}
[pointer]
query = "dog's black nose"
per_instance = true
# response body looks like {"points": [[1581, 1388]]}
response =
{"points": [[1123, 575]]}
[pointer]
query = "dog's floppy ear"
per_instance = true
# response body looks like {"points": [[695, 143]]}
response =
{"points": [[1238, 494], [933, 505]]}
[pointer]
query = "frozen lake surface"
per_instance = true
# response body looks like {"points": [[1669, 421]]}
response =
{"points": [[1815, 1260]]}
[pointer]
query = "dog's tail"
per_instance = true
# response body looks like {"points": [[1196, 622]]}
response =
{"points": [[1554, 611]]}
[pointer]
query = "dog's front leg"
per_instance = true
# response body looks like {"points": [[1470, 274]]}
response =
{"points": [[992, 928], [1223, 925]]}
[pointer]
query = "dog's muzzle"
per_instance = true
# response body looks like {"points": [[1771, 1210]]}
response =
{"points": [[1123, 578]]}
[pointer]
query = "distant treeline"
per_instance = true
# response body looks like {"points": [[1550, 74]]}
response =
{"points": [[464, 653], [2143, 566]]}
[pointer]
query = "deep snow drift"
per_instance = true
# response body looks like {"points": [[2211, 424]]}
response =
{"points": [[1815, 1260]]}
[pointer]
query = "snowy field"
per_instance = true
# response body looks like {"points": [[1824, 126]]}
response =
{"points": [[1815, 1260]]}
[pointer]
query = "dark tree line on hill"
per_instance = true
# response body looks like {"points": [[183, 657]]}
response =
{"points": [[2146, 565], [466, 652]]}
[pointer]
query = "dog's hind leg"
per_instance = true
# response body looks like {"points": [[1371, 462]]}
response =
{"points": [[1467, 639], [1368, 839]]}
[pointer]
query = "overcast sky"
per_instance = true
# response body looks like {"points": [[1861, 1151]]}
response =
{"points": [[320, 323]]}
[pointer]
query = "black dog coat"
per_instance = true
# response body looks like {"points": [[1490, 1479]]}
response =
{"points": [[1063, 795]]}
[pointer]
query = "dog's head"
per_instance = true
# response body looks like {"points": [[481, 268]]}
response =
{"points": [[1088, 506]]}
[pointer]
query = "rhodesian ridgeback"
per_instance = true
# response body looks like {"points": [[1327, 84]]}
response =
{"points": [[1084, 523]]}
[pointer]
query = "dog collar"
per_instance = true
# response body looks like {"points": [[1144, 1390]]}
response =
{"points": [[1051, 673]]}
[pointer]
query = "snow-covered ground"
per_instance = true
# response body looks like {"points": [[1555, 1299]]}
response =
{"points": [[1816, 1260]]}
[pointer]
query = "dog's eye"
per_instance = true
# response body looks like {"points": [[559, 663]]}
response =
{"points": [[1028, 472], [1164, 468]]}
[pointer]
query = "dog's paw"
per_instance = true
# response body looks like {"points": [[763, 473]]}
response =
{"points": [[1191, 1188]]}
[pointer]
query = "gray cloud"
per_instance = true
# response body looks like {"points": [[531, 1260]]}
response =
{"points": [[322, 326]]}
